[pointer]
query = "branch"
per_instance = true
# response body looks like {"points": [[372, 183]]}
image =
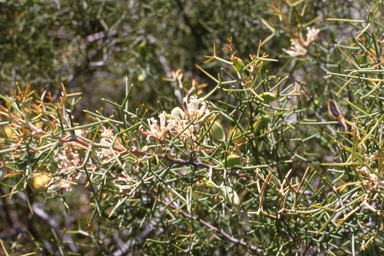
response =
{"points": [[34, 130], [213, 228]]}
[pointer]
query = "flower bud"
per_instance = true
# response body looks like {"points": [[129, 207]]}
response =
{"points": [[177, 113], [239, 62]]}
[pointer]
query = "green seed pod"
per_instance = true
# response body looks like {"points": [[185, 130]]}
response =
{"points": [[230, 195], [177, 113], [232, 160], [218, 132], [261, 123], [268, 96]]}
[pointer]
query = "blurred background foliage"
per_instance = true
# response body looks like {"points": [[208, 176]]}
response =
{"points": [[89, 46]]}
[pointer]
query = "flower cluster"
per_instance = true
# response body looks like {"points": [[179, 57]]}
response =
{"points": [[180, 123], [193, 111], [65, 175], [107, 137], [68, 160], [124, 182], [156, 130], [371, 178], [299, 45]]}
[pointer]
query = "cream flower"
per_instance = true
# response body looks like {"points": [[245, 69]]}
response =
{"points": [[193, 110], [156, 130], [107, 137], [296, 49], [181, 128], [68, 162], [298, 45], [312, 35]]}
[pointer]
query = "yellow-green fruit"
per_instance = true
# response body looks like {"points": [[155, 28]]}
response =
{"points": [[177, 113], [40, 181], [232, 160], [261, 123], [230, 195], [142, 76], [268, 96], [218, 132]]}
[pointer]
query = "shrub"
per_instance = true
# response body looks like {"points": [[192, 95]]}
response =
{"points": [[256, 164]]}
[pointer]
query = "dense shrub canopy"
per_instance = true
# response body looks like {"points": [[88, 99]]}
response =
{"points": [[225, 127]]}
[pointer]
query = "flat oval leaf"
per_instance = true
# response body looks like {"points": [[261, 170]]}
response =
{"points": [[218, 132], [230, 195]]}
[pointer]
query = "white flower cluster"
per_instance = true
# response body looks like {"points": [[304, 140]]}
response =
{"points": [[155, 130], [183, 125], [122, 182], [68, 162], [107, 137], [299, 46], [195, 113], [296, 49]]}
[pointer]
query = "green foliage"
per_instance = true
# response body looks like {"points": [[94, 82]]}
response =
{"points": [[293, 133]]}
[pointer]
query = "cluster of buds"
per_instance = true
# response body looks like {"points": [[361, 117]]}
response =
{"points": [[182, 123], [299, 45]]}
